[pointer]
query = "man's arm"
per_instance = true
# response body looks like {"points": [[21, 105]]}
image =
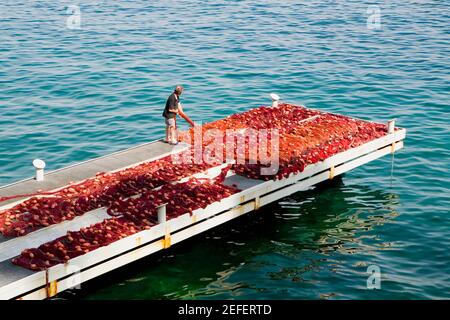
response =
{"points": [[184, 116]]}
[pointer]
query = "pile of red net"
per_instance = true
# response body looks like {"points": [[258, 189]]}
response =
{"points": [[315, 141], [129, 216], [305, 137], [100, 191]]}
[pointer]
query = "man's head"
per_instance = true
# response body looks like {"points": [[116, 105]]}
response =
{"points": [[178, 90]]}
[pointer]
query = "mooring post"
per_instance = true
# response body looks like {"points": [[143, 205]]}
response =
{"points": [[275, 98], [162, 216], [39, 165], [391, 130], [391, 126]]}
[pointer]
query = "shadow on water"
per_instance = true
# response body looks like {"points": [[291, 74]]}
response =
{"points": [[308, 230]]}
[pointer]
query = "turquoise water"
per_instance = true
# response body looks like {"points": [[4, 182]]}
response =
{"points": [[68, 95]]}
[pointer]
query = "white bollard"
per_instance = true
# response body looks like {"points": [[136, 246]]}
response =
{"points": [[162, 217], [39, 165], [275, 98], [391, 126]]}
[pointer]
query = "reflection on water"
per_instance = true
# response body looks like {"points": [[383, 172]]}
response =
{"points": [[316, 225], [291, 242], [330, 219]]}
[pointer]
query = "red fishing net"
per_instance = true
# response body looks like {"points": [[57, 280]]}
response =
{"points": [[129, 217], [100, 191], [305, 137]]}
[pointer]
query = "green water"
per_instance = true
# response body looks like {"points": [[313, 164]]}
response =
{"points": [[71, 95]]}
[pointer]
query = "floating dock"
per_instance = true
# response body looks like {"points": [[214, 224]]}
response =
{"points": [[20, 283]]}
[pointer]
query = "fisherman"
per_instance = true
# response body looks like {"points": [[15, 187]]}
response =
{"points": [[174, 107]]}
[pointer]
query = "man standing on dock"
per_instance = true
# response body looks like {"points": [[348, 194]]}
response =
{"points": [[173, 107]]}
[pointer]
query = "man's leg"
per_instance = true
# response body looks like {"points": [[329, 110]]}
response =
{"points": [[175, 131], [169, 130], [167, 133], [172, 135]]}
